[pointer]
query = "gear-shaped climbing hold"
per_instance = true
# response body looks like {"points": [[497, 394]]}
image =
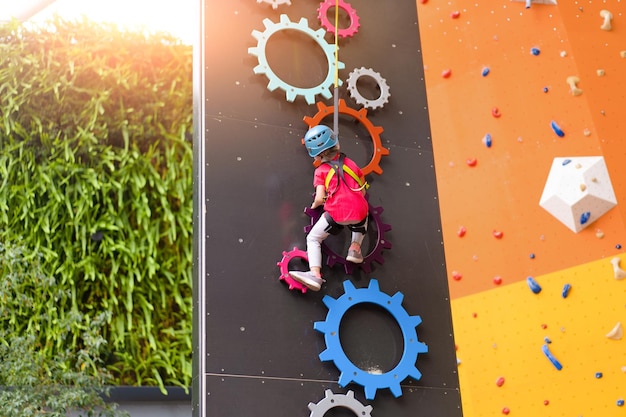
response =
{"points": [[371, 382], [283, 265], [274, 81], [275, 3], [360, 115], [375, 255], [358, 97], [322, 15], [332, 400]]}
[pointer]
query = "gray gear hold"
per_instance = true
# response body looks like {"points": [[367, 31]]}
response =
{"points": [[332, 400], [382, 99]]}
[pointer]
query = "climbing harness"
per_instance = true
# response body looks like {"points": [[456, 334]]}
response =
{"points": [[339, 167], [375, 254]]}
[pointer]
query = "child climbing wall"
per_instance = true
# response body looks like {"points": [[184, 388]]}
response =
{"points": [[377, 338]]}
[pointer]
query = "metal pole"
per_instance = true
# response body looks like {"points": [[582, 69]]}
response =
{"points": [[199, 388]]}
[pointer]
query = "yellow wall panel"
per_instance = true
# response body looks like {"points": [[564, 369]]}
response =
{"points": [[500, 333]]}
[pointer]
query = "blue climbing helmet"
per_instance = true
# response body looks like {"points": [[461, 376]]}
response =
{"points": [[318, 139]]}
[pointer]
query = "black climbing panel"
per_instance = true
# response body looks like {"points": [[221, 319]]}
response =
{"points": [[260, 351]]}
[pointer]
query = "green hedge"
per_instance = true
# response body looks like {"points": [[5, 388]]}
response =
{"points": [[96, 180]]}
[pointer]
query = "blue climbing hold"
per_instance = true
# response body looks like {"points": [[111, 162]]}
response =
{"points": [[487, 140], [559, 132], [551, 358], [566, 161], [534, 285], [485, 72], [535, 51], [620, 403], [566, 289], [584, 218]]}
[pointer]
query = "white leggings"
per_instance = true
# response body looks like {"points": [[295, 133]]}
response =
{"points": [[318, 233]]}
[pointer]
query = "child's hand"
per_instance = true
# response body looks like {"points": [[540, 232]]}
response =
{"points": [[317, 202], [320, 196]]}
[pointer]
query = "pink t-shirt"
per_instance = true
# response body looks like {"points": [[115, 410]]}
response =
{"points": [[342, 203]]}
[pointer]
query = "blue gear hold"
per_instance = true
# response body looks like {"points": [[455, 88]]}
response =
{"points": [[405, 368]]}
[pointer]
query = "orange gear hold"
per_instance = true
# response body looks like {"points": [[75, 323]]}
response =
{"points": [[361, 116]]}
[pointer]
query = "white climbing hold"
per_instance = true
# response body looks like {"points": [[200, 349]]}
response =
{"points": [[616, 333], [617, 271], [563, 197], [573, 81], [607, 16]]}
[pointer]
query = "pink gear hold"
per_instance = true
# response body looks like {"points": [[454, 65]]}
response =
{"points": [[284, 268], [322, 15]]}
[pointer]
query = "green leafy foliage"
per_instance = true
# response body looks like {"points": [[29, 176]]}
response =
{"points": [[96, 180], [35, 384]]}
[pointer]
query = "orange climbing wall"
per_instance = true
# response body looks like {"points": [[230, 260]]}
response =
{"points": [[498, 327]]}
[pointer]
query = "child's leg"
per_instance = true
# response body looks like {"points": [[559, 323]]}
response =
{"points": [[358, 234], [357, 240], [314, 240]]}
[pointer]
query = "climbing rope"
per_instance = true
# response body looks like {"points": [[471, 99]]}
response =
{"points": [[336, 92]]}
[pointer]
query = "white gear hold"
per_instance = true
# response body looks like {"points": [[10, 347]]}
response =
{"points": [[358, 97], [275, 3], [332, 400]]}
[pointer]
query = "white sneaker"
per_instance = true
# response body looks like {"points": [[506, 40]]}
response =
{"points": [[307, 279], [354, 256]]}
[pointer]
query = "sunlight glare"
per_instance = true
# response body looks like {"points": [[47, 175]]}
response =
{"points": [[172, 16]]}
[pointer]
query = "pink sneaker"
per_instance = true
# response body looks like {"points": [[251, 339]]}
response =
{"points": [[307, 279]]}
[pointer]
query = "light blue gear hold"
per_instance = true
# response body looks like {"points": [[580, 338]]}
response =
{"points": [[274, 81], [275, 3], [371, 382]]}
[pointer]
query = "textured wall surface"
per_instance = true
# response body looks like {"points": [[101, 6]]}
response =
{"points": [[492, 70], [504, 56], [262, 351]]}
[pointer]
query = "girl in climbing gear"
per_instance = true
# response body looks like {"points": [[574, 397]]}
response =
{"points": [[340, 187]]}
